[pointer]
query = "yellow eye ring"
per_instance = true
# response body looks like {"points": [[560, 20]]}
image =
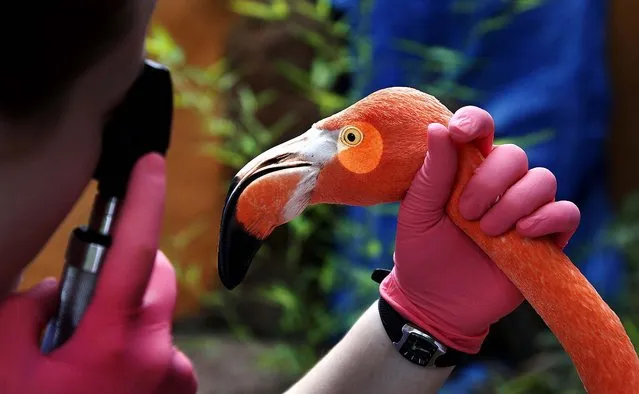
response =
{"points": [[351, 136]]}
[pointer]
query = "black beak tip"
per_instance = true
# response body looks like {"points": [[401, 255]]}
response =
{"points": [[235, 253], [237, 247]]}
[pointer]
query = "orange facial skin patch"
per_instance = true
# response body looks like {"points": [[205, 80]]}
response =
{"points": [[364, 157]]}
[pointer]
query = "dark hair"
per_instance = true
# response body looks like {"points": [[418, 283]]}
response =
{"points": [[47, 45]]}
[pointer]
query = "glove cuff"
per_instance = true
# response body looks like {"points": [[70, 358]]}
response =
{"points": [[393, 294]]}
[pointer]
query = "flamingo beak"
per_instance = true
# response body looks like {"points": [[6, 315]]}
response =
{"points": [[272, 189]]}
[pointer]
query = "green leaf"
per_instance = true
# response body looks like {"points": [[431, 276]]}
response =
{"points": [[185, 237], [302, 226], [340, 29], [312, 10], [248, 146], [298, 76], [521, 385], [528, 140], [281, 9], [265, 98], [326, 277], [329, 102], [227, 81], [192, 275], [323, 9], [247, 99], [373, 249], [160, 45], [322, 75], [281, 126], [493, 24], [221, 127], [213, 299], [282, 297], [440, 59], [633, 332], [283, 358], [277, 10], [196, 100], [240, 332], [232, 159], [527, 5]]}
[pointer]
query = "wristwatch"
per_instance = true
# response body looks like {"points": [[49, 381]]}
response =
{"points": [[413, 343]]}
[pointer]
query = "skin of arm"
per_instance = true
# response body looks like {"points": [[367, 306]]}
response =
{"points": [[365, 361]]}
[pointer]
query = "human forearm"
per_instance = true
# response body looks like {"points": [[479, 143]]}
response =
{"points": [[365, 361]]}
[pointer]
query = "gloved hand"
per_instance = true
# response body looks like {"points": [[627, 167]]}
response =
{"points": [[123, 345], [442, 281]]}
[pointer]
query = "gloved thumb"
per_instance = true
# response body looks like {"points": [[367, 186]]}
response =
{"points": [[424, 203], [181, 377]]}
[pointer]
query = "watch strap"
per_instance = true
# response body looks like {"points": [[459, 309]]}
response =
{"points": [[394, 324]]}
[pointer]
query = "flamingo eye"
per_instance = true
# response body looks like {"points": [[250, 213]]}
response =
{"points": [[351, 136]]}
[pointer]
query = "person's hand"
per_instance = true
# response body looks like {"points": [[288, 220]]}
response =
{"points": [[123, 344], [442, 281]]}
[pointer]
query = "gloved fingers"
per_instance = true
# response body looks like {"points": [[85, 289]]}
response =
{"points": [[560, 218], [473, 124], [131, 258], [501, 169], [160, 296], [36, 307], [427, 196], [181, 378], [536, 188]]}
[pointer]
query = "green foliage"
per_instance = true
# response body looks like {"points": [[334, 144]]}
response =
{"points": [[233, 141], [511, 9], [276, 10], [306, 324], [624, 233]]}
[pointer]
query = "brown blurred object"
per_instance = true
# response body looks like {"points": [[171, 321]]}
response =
{"points": [[194, 199], [623, 31]]}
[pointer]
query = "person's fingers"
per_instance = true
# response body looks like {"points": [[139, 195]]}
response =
{"points": [[505, 165], [181, 378], [560, 219], [427, 196], [36, 307], [131, 258], [473, 124], [536, 188], [161, 293]]}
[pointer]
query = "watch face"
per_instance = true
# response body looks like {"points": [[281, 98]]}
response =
{"points": [[418, 349]]}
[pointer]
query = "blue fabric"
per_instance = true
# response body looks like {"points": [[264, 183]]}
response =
{"points": [[471, 377], [544, 69]]}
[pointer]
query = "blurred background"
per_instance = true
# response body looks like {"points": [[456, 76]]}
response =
{"points": [[559, 77]]}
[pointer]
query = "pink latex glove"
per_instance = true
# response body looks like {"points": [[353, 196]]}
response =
{"points": [[124, 344], [442, 281]]}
